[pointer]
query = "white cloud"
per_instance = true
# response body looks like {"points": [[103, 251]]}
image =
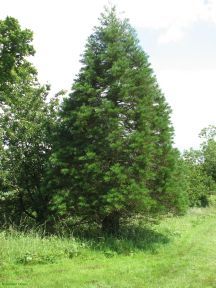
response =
{"points": [[159, 14], [192, 96], [172, 34], [171, 18]]}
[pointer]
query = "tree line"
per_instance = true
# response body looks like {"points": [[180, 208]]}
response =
{"points": [[106, 151]]}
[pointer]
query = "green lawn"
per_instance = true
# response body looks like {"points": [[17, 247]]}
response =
{"points": [[179, 252]]}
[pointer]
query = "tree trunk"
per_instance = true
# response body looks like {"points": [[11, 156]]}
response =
{"points": [[45, 220], [110, 224]]}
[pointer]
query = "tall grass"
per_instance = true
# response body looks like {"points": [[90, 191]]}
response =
{"points": [[177, 252], [32, 247]]}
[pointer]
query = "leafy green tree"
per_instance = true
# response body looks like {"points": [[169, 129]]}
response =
{"points": [[15, 47], [28, 126], [199, 183], [27, 122], [114, 156], [208, 148]]}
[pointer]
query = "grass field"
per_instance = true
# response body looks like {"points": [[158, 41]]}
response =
{"points": [[178, 252]]}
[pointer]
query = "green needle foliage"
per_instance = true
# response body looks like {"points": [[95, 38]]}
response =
{"points": [[114, 154]]}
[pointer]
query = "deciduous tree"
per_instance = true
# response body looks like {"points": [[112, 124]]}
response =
{"points": [[27, 123]]}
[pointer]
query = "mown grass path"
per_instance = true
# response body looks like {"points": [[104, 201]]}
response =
{"points": [[188, 259]]}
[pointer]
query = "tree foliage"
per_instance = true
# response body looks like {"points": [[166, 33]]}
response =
{"points": [[107, 151], [208, 148], [201, 168], [199, 183], [26, 125], [114, 154], [15, 47]]}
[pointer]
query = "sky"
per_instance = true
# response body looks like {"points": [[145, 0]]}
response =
{"points": [[178, 36]]}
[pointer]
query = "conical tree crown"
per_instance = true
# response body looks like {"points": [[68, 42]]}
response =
{"points": [[115, 152]]}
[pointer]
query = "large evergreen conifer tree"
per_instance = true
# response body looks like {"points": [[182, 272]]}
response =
{"points": [[115, 153]]}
